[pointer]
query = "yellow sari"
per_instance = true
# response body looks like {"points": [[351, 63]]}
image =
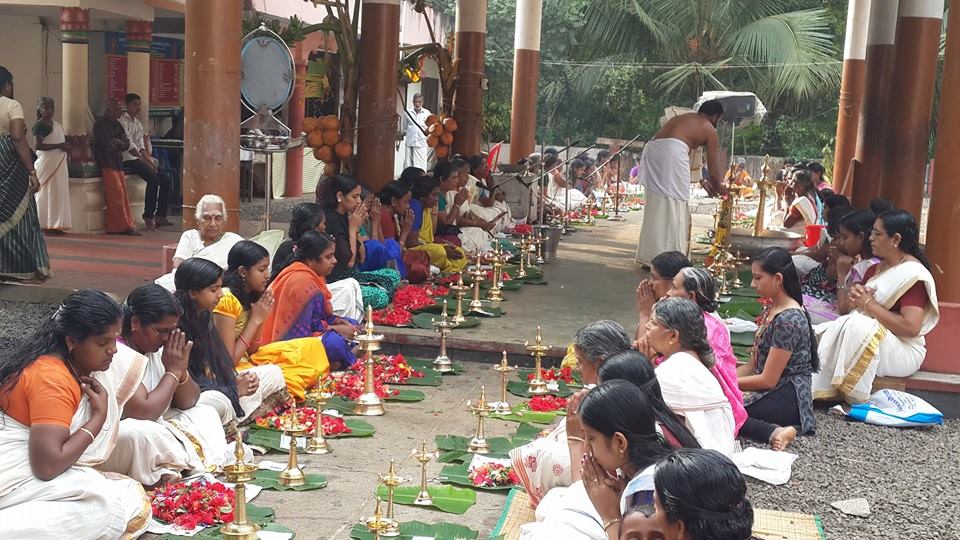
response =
{"points": [[438, 252]]}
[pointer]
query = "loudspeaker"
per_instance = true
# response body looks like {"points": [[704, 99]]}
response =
{"points": [[736, 108]]}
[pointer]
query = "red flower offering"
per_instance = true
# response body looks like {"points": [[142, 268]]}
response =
{"points": [[547, 403], [392, 316], [194, 504], [276, 418], [563, 374], [493, 475]]}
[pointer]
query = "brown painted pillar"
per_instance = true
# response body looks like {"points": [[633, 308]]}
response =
{"points": [[293, 186], [872, 136], [377, 120], [139, 39], [211, 128], [526, 77], [74, 106], [943, 243], [468, 99], [851, 90], [911, 99]]}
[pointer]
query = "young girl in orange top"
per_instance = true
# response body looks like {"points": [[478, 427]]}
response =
{"points": [[58, 422]]}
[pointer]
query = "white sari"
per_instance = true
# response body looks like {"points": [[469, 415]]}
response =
{"points": [[544, 463], [192, 440], [80, 503], [692, 391], [53, 198], [855, 348], [808, 210]]}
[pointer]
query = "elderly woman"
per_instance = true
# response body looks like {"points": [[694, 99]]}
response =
{"points": [[209, 240], [677, 332], [545, 462], [806, 208], [23, 252], [895, 308], [663, 268], [53, 198]]}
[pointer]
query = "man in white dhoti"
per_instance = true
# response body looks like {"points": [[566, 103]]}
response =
{"points": [[665, 173], [414, 124]]}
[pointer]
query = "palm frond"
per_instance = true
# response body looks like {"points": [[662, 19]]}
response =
{"points": [[624, 27], [690, 80]]}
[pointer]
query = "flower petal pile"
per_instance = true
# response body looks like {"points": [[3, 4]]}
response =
{"points": [[275, 419], [493, 475], [547, 403], [386, 370], [194, 504], [564, 374]]}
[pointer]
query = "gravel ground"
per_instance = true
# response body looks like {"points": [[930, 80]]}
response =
{"points": [[909, 477]]}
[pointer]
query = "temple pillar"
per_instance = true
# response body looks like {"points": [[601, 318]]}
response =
{"points": [[377, 119], [74, 106], [471, 30], [139, 39], [293, 185], [943, 243], [526, 77], [911, 99], [852, 83], [211, 127], [873, 134]]}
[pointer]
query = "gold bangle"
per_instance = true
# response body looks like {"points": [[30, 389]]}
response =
{"points": [[867, 303], [577, 439], [186, 377], [609, 522], [93, 438], [170, 373]]}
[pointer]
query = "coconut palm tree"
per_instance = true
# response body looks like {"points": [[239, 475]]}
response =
{"points": [[783, 50]]}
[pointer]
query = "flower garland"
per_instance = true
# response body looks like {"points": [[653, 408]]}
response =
{"points": [[547, 403], [275, 419], [200, 503], [564, 374], [493, 475]]}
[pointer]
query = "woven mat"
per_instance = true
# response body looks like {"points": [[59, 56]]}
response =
{"points": [[774, 525], [516, 512]]}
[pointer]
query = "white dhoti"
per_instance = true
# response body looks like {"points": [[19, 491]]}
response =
{"points": [[347, 299], [271, 382], [416, 157], [665, 172]]}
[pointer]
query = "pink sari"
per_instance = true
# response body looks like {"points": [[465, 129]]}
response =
{"points": [[725, 367]]}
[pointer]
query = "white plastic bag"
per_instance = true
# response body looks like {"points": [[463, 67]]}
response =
{"points": [[896, 409]]}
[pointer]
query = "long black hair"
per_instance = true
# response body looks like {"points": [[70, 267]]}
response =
{"points": [[84, 313], [860, 222], [393, 190], [309, 247], [902, 222], [423, 186], [635, 368], [243, 254], [211, 365], [686, 318], [5, 76], [619, 406], [150, 303], [307, 216], [442, 171], [669, 263], [410, 175], [337, 184], [777, 260], [704, 490]]}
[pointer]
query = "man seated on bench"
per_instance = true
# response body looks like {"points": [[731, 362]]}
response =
{"points": [[137, 160]]}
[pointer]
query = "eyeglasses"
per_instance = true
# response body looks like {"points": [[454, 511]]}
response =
{"points": [[163, 332]]}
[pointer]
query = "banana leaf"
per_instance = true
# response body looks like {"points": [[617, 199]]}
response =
{"points": [[448, 499], [745, 292], [425, 321], [453, 448], [460, 475], [744, 339], [524, 415], [524, 373], [512, 285], [739, 306], [271, 480], [519, 388], [214, 532], [526, 433], [408, 395], [345, 407], [418, 529], [427, 365], [260, 515], [270, 438]]}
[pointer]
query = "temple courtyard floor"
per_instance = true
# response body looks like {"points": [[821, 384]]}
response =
{"points": [[909, 477]]}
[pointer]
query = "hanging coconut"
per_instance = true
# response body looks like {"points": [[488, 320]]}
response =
{"points": [[324, 154], [310, 123], [450, 125], [435, 129], [329, 169], [330, 137], [432, 119], [315, 139], [343, 150], [442, 151], [330, 122], [447, 138], [433, 141]]}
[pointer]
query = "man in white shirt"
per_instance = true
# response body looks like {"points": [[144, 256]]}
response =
{"points": [[136, 160], [414, 132]]}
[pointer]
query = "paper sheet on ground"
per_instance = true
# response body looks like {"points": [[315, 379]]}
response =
{"points": [[765, 465]]}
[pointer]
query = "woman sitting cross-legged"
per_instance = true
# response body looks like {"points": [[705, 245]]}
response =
{"points": [[544, 463], [346, 215], [347, 298], [235, 396], [677, 332], [698, 495], [301, 302], [58, 423], [239, 318], [621, 444], [396, 223], [164, 433], [895, 308], [698, 285], [448, 258], [784, 357]]}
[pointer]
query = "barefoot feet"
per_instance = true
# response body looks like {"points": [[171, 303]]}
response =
{"points": [[782, 437]]}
